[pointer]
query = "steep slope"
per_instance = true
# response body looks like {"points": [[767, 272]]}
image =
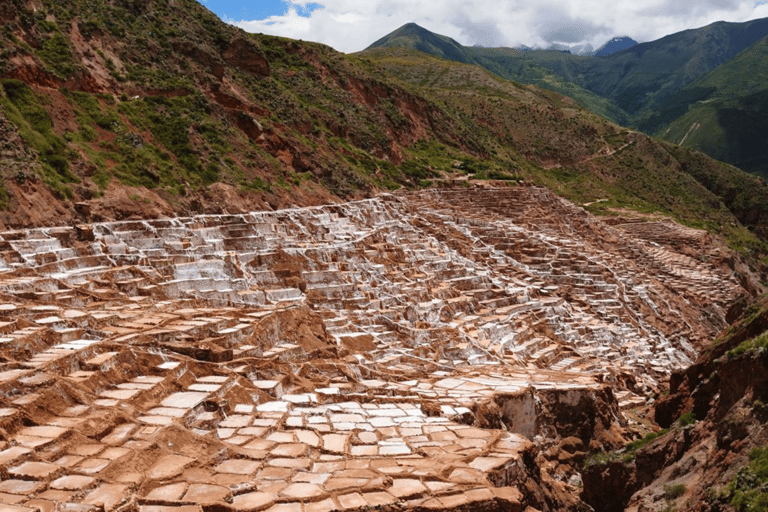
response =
{"points": [[713, 455], [543, 68], [644, 76], [510, 63], [724, 112], [162, 95]]}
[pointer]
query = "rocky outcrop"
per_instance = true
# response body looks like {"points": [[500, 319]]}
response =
{"points": [[694, 387], [241, 52], [245, 54], [716, 417]]}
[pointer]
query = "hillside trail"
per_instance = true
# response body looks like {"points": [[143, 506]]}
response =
{"points": [[592, 157]]}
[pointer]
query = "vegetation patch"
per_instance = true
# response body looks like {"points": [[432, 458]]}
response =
{"points": [[750, 346], [686, 419], [748, 491], [90, 112], [24, 109], [5, 197], [625, 455], [633, 446], [673, 491], [495, 174], [56, 53]]}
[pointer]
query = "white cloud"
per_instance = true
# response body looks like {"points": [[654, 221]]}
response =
{"points": [[352, 25]]}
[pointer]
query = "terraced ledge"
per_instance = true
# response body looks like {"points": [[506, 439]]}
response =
{"points": [[419, 351]]}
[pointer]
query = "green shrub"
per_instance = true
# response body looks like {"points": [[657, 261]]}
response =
{"points": [[636, 445], [35, 126], [210, 174], [473, 166], [495, 174], [259, 185], [56, 53], [5, 197], [749, 489], [759, 462], [673, 491], [88, 134], [92, 113], [600, 458], [749, 346], [687, 419], [89, 27], [417, 171], [22, 97]]}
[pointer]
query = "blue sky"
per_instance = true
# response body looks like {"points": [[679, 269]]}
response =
{"points": [[352, 25], [251, 10]]}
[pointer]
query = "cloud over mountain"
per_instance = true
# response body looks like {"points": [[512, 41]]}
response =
{"points": [[351, 25]]}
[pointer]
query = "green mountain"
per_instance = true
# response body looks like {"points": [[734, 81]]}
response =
{"points": [[528, 67], [638, 79], [641, 79], [415, 37], [724, 112]]}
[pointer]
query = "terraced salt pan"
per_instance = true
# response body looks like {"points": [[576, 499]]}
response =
{"points": [[196, 340]]}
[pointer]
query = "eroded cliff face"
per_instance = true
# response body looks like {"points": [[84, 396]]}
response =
{"points": [[565, 425], [716, 419]]}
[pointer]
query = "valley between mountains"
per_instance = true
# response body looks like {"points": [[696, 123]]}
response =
{"points": [[247, 273]]}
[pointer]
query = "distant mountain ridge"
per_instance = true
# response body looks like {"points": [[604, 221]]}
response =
{"points": [[615, 45], [578, 49], [644, 85]]}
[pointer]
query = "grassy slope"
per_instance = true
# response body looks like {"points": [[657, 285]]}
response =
{"points": [[171, 112], [543, 68], [651, 85]]}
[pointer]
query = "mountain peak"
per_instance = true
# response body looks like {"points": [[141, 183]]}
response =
{"points": [[418, 38], [615, 45]]}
